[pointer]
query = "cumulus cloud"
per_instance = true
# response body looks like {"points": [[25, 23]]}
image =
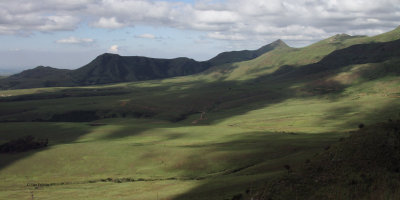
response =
{"points": [[236, 20], [74, 40], [25, 17], [110, 23], [113, 49]]}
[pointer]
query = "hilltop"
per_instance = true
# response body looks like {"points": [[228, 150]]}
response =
{"points": [[238, 56], [40, 76]]}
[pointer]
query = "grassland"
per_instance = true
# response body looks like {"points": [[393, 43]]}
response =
{"points": [[150, 140]]}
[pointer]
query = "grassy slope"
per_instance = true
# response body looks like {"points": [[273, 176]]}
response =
{"points": [[272, 60], [362, 166], [254, 127]]}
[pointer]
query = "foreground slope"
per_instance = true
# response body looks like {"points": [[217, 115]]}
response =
{"points": [[363, 166]]}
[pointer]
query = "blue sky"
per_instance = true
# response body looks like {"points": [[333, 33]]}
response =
{"points": [[69, 34]]}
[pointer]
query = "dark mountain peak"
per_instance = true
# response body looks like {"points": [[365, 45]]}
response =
{"points": [[244, 55], [108, 55], [40, 76], [113, 68], [41, 67], [182, 58]]}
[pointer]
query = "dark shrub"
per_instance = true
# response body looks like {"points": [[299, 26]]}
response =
{"points": [[237, 197], [23, 144], [288, 168]]}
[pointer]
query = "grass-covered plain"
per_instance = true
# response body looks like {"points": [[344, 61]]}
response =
{"points": [[175, 157], [205, 136], [213, 159]]}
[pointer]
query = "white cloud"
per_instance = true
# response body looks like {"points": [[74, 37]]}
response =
{"points": [[113, 49], [215, 16], [229, 20], [74, 40], [221, 36], [110, 23], [146, 36]]}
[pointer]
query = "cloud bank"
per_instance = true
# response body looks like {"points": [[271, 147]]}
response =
{"points": [[236, 20]]}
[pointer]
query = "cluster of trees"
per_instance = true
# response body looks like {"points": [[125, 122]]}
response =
{"points": [[23, 144]]}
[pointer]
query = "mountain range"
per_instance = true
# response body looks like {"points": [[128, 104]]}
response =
{"points": [[113, 68]]}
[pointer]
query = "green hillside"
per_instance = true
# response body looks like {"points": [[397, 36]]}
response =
{"points": [[227, 131], [270, 61]]}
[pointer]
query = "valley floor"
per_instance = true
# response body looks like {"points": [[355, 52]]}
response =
{"points": [[143, 159], [127, 158]]}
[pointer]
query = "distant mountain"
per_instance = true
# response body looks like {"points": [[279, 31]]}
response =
{"points": [[238, 56], [106, 68], [38, 77], [9, 71], [276, 59], [113, 68]]}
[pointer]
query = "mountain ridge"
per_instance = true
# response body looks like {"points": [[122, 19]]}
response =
{"points": [[244, 55], [235, 65], [113, 68]]}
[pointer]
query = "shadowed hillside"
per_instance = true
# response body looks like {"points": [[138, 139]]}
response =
{"points": [[365, 165], [38, 77], [113, 68]]}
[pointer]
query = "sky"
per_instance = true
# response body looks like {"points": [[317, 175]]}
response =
{"points": [[71, 33]]}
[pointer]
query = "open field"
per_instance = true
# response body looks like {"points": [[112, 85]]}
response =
{"points": [[236, 146], [175, 157]]}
